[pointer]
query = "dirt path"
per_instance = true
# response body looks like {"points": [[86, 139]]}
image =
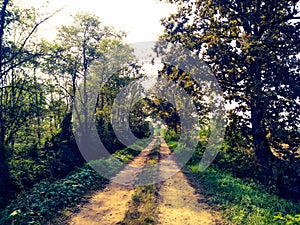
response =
{"points": [[178, 204], [108, 206]]}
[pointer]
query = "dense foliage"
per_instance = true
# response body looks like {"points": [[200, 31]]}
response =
{"points": [[48, 199], [42, 86], [252, 47]]}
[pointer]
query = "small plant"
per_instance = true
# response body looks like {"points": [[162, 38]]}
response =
{"points": [[136, 199], [288, 219]]}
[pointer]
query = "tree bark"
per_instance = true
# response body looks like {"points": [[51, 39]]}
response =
{"points": [[260, 142], [4, 172]]}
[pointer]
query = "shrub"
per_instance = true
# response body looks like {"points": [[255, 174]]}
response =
{"points": [[45, 199]]}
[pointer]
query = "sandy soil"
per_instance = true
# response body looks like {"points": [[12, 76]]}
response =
{"points": [[108, 206], [178, 203]]}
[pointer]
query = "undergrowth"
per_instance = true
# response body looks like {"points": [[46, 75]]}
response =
{"points": [[47, 200], [243, 202]]}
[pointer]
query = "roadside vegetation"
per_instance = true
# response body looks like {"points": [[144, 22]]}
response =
{"points": [[240, 201], [52, 201]]}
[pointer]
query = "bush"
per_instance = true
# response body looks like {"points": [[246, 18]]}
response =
{"points": [[171, 135], [45, 199], [240, 162]]}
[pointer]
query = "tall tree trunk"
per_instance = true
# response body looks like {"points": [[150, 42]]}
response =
{"points": [[4, 172], [260, 142]]}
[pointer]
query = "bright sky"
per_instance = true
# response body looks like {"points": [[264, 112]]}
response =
{"points": [[140, 19]]}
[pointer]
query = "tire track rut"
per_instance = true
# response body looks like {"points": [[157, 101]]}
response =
{"points": [[108, 206], [177, 201]]}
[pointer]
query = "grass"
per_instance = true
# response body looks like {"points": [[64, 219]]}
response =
{"points": [[172, 145], [142, 208], [242, 202], [127, 154]]}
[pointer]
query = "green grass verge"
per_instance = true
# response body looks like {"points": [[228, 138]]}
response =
{"points": [[131, 151], [242, 202]]}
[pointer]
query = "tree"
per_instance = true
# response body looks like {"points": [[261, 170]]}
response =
{"points": [[252, 48], [83, 56], [18, 53]]}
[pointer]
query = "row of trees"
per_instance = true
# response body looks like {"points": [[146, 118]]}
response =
{"points": [[46, 86], [253, 49]]}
